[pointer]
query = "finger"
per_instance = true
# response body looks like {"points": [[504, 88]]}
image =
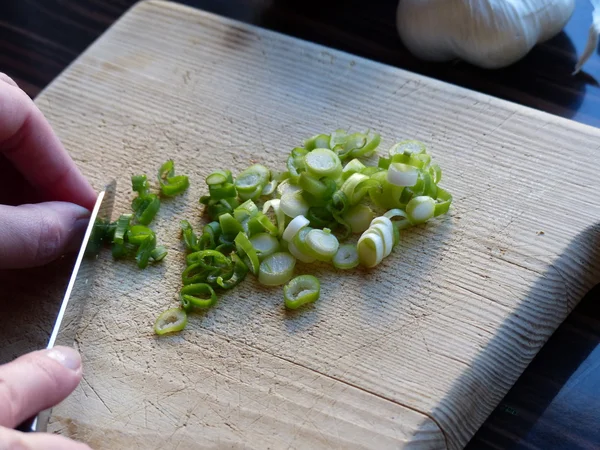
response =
{"points": [[27, 139], [37, 381], [34, 235], [7, 79], [11, 440]]}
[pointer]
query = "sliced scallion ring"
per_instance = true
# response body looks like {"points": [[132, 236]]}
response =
{"points": [[264, 244], [294, 226], [346, 257], [358, 217], [420, 209], [294, 204], [276, 269], [322, 162], [171, 320], [300, 291], [402, 175], [322, 244]]}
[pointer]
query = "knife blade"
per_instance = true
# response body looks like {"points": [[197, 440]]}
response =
{"points": [[71, 308]]}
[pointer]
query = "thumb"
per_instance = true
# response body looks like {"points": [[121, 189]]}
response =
{"points": [[34, 235], [37, 381]]}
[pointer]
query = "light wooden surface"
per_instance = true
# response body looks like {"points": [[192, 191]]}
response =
{"points": [[417, 352]]}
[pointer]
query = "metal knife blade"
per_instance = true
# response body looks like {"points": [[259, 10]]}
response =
{"points": [[69, 315]]}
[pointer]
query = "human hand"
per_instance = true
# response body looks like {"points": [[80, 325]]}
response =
{"points": [[33, 383], [44, 198]]}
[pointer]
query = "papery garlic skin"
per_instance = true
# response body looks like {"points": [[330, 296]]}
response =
{"points": [[487, 33]]}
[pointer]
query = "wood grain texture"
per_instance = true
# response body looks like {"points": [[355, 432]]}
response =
{"points": [[434, 338]]}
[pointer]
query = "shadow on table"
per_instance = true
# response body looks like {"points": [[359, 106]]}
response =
{"points": [[579, 269], [550, 402]]}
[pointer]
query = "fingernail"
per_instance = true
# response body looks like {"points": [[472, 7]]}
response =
{"points": [[77, 233], [67, 356]]}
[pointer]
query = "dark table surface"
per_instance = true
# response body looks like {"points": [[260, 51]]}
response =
{"points": [[556, 402]]}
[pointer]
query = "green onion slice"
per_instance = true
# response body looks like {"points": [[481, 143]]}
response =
{"points": [[420, 209], [318, 141], [402, 174], [354, 166], [358, 217], [239, 273], [322, 162], [145, 208], [144, 252], [401, 224], [276, 269], [300, 291], [122, 228], [294, 227], [189, 237], [159, 253], [322, 244], [346, 257], [198, 295], [300, 256], [171, 184], [294, 204], [370, 248], [247, 252], [264, 244], [171, 320], [275, 204]]}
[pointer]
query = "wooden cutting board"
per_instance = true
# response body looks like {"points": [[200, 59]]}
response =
{"points": [[416, 353]]}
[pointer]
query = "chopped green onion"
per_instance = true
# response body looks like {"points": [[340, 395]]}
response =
{"points": [[287, 187], [261, 223], [171, 320], [245, 211], [420, 209], [402, 224], [145, 252], [208, 259], [145, 208], [247, 252], [384, 227], [357, 185], [322, 244], [239, 273], [354, 166], [171, 184], [318, 141], [229, 226], [137, 234], [300, 291], [139, 184], [346, 257], [323, 162], [189, 237], [358, 217], [407, 148], [219, 177], [294, 205], [122, 228], [443, 202], [370, 248], [294, 227], [402, 174], [159, 253], [252, 181], [276, 269], [264, 244], [270, 187], [199, 295], [369, 148], [300, 256], [275, 204]]}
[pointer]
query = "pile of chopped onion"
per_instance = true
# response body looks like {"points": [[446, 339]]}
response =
{"points": [[328, 206]]}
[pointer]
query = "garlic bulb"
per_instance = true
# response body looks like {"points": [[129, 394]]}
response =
{"points": [[486, 33]]}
